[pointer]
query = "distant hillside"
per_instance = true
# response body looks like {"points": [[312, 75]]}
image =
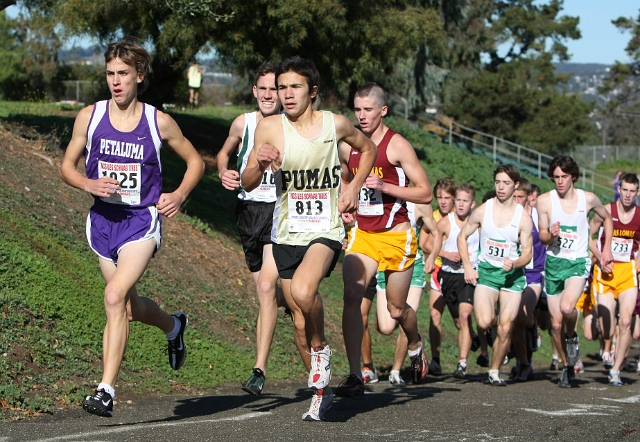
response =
{"points": [[585, 79]]}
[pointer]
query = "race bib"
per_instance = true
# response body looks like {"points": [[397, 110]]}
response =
{"points": [[309, 211], [266, 190], [567, 243], [370, 202], [129, 178], [495, 251], [621, 249]]}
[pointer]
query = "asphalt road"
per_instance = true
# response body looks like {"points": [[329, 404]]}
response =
{"points": [[442, 409]]}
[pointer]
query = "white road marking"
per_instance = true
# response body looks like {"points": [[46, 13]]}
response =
{"points": [[130, 428], [579, 410], [629, 400]]}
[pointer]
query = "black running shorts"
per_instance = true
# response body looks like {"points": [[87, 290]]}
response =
{"points": [[455, 290], [254, 221], [372, 288], [288, 258]]}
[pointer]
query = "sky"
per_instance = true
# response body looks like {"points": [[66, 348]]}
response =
{"points": [[601, 42]]}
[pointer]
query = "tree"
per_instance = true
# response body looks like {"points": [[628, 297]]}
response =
{"points": [[619, 116], [349, 40], [13, 76], [513, 94]]}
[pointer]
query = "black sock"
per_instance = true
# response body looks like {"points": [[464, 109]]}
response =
{"points": [[437, 360]]}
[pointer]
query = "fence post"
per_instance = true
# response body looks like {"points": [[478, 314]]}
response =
{"points": [[78, 91], [594, 157], [539, 165], [495, 151], [616, 153], [450, 132], [584, 178]]}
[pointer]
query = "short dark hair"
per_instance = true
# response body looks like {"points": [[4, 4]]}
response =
{"points": [[268, 67], [375, 91], [510, 170], [301, 66], [446, 184], [566, 164], [630, 178], [535, 189], [469, 188], [131, 52], [525, 186]]}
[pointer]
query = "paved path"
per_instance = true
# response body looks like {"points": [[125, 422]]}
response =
{"points": [[443, 409]]}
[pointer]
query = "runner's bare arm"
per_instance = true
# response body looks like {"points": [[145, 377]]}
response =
{"points": [[230, 178], [425, 212], [169, 203], [401, 154], [526, 242], [102, 187], [346, 132], [606, 257], [548, 234], [594, 228], [473, 222], [268, 135], [345, 153]]}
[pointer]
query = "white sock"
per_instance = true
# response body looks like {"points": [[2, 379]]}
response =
{"points": [[107, 388], [494, 373], [176, 329], [395, 373], [413, 353]]}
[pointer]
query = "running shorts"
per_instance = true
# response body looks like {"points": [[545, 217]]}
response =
{"points": [[393, 251], [288, 257], [559, 270], [254, 221], [417, 278], [455, 290], [623, 277], [497, 279]]}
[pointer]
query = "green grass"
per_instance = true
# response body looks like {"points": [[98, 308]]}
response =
{"points": [[51, 288]]}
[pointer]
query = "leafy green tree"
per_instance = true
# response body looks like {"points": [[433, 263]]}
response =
{"points": [[349, 40], [619, 116], [13, 76]]}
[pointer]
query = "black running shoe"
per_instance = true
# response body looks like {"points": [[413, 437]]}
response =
{"points": [[566, 377], [255, 383], [100, 403], [177, 349], [461, 372], [475, 342], [350, 386], [483, 360], [572, 350]]}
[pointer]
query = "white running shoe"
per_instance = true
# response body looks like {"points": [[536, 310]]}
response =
{"points": [[320, 373], [396, 380], [369, 376], [321, 401], [614, 378]]}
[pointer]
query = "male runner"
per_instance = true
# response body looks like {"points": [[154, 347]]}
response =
{"points": [[444, 190], [525, 335], [254, 219], [301, 147], [621, 284], [457, 293], [121, 139], [421, 217], [564, 229], [382, 239], [500, 275]]}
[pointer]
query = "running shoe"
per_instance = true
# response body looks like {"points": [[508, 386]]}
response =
{"points": [[625, 366], [525, 373], [461, 371], [255, 383], [320, 373], [566, 378], [572, 349], [369, 376], [350, 386], [555, 364], [100, 403], [579, 367], [607, 361], [614, 378], [475, 342], [434, 368], [532, 336], [396, 380], [176, 347], [321, 401], [419, 364], [495, 379], [483, 360]]}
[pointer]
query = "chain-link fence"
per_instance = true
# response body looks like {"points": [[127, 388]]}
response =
{"points": [[591, 156], [83, 92]]}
